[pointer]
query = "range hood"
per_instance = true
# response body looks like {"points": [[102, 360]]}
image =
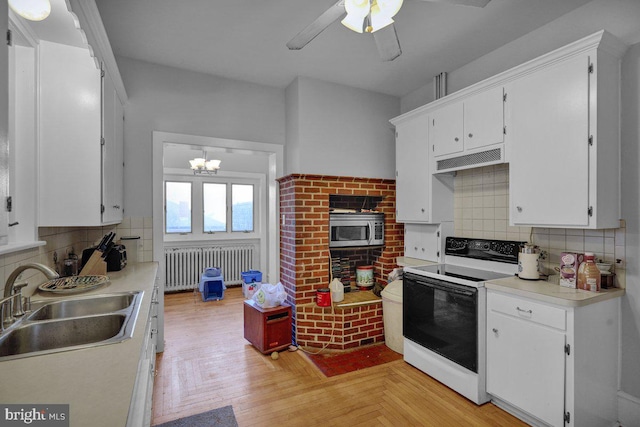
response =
{"points": [[493, 156]]}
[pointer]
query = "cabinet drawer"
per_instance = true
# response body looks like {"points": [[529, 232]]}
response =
{"points": [[527, 310]]}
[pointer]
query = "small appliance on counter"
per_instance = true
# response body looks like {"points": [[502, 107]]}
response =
{"points": [[528, 262], [115, 256]]}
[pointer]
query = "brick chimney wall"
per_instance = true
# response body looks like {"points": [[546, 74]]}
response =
{"points": [[305, 257]]}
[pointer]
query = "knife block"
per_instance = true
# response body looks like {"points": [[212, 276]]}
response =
{"points": [[95, 266]]}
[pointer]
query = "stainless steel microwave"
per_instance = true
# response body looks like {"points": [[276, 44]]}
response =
{"points": [[356, 229]]}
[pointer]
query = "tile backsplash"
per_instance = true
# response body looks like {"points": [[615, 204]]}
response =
{"points": [[60, 241], [481, 210]]}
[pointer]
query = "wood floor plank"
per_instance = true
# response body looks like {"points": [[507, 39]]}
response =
{"points": [[208, 364]]}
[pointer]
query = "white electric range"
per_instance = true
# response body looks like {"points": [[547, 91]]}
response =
{"points": [[444, 312]]}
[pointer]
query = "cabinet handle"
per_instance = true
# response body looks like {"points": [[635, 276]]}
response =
{"points": [[470, 135], [422, 210], [524, 311], [495, 331], [415, 248], [456, 139], [519, 208], [116, 206]]}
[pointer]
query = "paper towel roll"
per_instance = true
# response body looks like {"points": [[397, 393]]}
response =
{"points": [[528, 266]]}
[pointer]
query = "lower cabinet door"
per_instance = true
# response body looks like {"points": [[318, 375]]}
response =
{"points": [[526, 366]]}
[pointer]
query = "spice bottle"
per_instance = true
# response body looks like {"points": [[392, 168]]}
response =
{"points": [[589, 274]]}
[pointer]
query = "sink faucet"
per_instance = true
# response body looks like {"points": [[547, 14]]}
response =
{"points": [[12, 289], [9, 286]]}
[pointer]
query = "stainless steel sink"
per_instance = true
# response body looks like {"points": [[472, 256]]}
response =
{"points": [[71, 324], [83, 306]]}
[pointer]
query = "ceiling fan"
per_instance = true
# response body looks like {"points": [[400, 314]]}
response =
{"points": [[371, 16]]}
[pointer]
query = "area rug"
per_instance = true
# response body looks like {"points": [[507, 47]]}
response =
{"points": [[332, 364], [221, 417]]}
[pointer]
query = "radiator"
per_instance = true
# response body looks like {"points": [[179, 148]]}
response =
{"points": [[184, 266]]}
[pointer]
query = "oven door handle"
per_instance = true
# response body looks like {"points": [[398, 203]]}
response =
{"points": [[447, 288]]}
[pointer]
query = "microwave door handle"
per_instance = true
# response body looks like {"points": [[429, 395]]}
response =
{"points": [[370, 230]]}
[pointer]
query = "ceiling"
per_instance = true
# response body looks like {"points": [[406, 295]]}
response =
{"points": [[245, 39]]}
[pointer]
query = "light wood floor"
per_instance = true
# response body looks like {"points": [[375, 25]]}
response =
{"points": [[207, 364]]}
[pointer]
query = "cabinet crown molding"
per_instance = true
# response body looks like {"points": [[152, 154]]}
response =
{"points": [[602, 39]]}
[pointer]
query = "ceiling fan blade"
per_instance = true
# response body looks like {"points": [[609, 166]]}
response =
{"points": [[387, 43], [474, 3], [316, 27]]}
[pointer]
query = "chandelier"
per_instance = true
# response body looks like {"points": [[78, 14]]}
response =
{"points": [[202, 166]]}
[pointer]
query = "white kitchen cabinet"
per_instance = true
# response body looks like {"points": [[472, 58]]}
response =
{"points": [[426, 241], [140, 410], [553, 365], [484, 118], [464, 126], [420, 196], [564, 133], [75, 166], [412, 170], [525, 357], [112, 152], [4, 131], [447, 130]]}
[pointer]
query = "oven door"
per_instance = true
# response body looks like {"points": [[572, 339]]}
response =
{"points": [[442, 317]]}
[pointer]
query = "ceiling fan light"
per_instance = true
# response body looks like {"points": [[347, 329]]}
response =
{"points": [[382, 13], [33, 10], [379, 22], [389, 7], [357, 11]]}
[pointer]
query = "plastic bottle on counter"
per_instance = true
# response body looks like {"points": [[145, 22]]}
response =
{"points": [[589, 274]]}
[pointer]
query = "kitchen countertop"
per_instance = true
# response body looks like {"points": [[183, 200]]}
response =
{"points": [[97, 382], [405, 261], [552, 292]]}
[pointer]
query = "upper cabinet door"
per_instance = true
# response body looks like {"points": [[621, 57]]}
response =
{"points": [[549, 172], [112, 153], [484, 119], [412, 170], [69, 146], [446, 130]]}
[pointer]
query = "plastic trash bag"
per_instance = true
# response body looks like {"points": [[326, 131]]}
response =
{"points": [[269, 295]]}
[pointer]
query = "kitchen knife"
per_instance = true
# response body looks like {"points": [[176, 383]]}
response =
{"points": [[102, 242], [108, 248], [112, 235], [108, 239]]}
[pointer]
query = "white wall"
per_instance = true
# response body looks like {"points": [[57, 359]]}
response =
{"points": [[339, 130], [619, 17], [172, 100], [630, 134]]}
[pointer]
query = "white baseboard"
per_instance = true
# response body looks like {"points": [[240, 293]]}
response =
{"points": [[628, 409]]}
